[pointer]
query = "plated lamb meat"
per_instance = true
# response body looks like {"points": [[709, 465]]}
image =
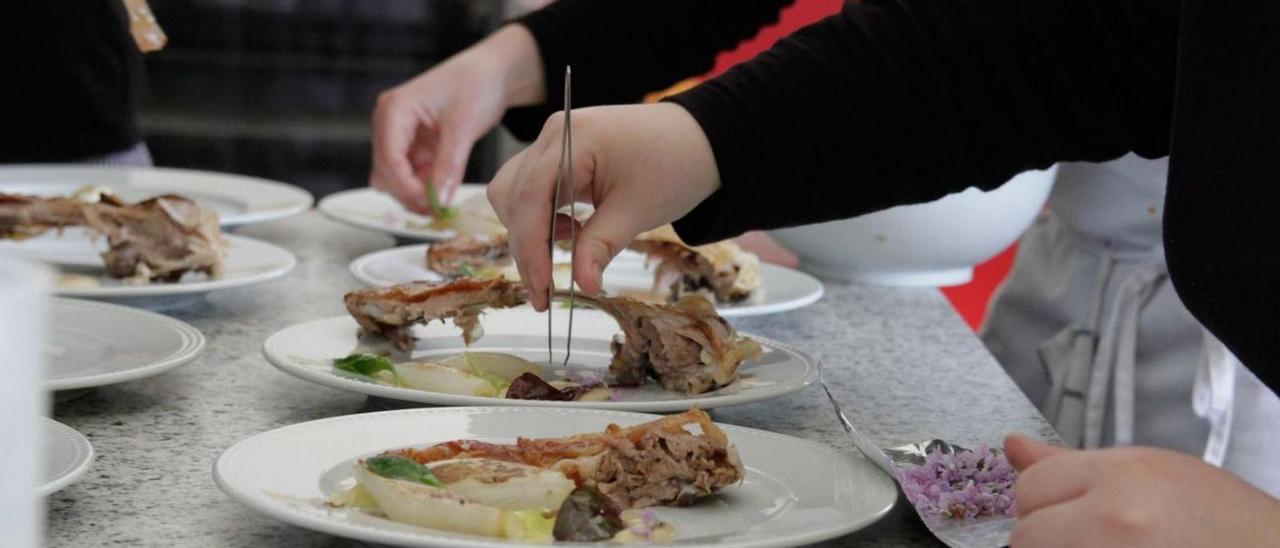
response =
{"points": [[160, 238], [685, 346], [650, 464], [722, 270], [392, 311], [454, 257]]}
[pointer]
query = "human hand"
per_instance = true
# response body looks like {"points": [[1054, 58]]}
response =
{"points": [[642, 166], [768, 249], [424, 129], [1133, 497]]}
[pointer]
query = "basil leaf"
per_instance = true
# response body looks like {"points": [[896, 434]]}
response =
{"points": [[402, 468], [367, 365]]}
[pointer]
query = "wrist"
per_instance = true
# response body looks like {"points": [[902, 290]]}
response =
{"points": [[511, 54]]}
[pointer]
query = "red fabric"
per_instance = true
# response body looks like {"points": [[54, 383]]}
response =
{"points": [[970, 300]]}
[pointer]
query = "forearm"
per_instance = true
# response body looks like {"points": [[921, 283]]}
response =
{"points": [[623, 49], [897, 102]]}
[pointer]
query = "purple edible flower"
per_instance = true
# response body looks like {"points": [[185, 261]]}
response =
{"points": [[965, 485]]}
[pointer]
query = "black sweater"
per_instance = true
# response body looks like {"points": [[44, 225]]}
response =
{"points": [[70, 80], [894, 102]]}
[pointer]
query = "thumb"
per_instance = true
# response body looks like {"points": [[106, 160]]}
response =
{"points": [[450, 162], [602, 237], [1024, 452]]}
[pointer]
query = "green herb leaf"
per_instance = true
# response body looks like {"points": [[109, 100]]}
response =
{"points": [[441, 212], [402, 468], [367, 365], [468, 271]]}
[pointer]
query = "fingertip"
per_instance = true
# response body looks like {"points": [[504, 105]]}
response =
{"points": [[1023, 452]]}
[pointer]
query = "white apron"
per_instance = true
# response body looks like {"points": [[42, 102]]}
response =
{"points": [[1090, 327]]}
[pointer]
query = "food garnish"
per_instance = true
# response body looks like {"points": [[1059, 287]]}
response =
{"points": [[369, 365], [965, 485], [401, 468], [587, 516]]}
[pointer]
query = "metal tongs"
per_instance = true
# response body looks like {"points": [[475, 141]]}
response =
{"points": [[564, 178]]}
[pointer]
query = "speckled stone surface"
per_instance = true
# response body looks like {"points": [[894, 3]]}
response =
{"points": [[902, 363]]}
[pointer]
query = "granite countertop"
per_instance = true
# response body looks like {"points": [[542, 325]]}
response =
{"points": [[902, 363]]}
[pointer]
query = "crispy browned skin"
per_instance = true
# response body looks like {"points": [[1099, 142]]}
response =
{"points": [[392, 311], [160, 238], [450, 256], [686, 345], [655, 463]]}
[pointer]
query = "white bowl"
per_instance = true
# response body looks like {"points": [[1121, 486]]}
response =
{"points": [[932, 244]]}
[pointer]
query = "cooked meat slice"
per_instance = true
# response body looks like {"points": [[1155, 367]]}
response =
{"points": [[686, 346], [156, 239], [451, 257], [392, 311], [655, 463], [722, 270]]}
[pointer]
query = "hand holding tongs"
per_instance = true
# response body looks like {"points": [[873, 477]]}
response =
{"points": [[564, 178]]}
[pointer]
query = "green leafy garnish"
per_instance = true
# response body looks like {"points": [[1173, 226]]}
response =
{"points": [[367, 365], [441, 213], [402, 468], [468, 271]]}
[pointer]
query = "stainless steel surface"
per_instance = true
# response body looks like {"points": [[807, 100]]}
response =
{"points": [[564, 177]]}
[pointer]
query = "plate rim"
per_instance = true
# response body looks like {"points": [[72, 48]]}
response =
{"points": [[193, 344], [203, 286], [302, 199], [328, 379], [84, 450], [358, 265], [327, 207], [262, 504]]}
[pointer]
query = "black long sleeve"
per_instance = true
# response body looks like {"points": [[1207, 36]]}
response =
{"points": [[893, 102], [622, 49], [72, 75]]}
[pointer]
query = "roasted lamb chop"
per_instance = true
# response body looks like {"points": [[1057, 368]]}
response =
{"points": [[722, 269], [650, 464], [686, 346], [160, 238], [392, 311], [455, 257]]}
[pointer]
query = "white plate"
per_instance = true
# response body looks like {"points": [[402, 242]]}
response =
{"points": [[95, 344], [307, 351], [67, 456], [249, 262], [784, 289], [237, 199], [368, 208], [795, 491]]}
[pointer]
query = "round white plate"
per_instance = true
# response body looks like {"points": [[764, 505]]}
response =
{"points": [[795, 492], [784, 289], [248, 262], [307, 351], [67, 456], [237, 199], [95, 344], [374, 210]]}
